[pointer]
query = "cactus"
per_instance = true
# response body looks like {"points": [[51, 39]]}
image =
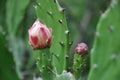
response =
{"points": [[80, 60], [44, 63], [79, 65], [50, 13], [105, 53]]}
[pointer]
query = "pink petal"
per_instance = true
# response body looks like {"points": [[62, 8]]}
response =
{"points": [[44, 34], [34, 39]]}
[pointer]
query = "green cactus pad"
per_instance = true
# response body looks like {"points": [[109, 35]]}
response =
{"points": [[105, 55], [50, 13]]}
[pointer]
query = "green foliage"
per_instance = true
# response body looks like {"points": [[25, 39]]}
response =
{"points": [[15, 11], [7, 71], [2, 12], [105, 53], [18, 51]]}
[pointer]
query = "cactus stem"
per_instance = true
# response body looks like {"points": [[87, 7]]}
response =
{"points": [[49, 13], [67, 32], [60, 21]]}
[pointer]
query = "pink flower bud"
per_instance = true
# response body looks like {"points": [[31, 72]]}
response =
{"points": [[40, 36], [81, 49]]}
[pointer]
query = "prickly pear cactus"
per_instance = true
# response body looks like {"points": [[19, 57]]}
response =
{"points": [[50, 13], [105, 55], [79, 65], [44, 63]]}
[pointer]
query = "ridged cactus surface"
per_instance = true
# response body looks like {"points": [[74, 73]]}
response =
{"points": [[80, 65], [105, 55], [50, 13]]}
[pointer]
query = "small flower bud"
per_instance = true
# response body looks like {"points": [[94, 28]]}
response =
{"points": [[40, 36], [81, 49]]}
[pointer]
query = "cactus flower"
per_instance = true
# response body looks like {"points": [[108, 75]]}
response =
{"points": [[40, 36], [81, 49]]}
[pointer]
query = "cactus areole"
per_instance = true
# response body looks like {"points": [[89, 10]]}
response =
{"points": [[40, 36], [81, 49]]}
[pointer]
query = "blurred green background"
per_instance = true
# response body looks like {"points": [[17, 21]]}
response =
{"points": [[17, 60]]}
